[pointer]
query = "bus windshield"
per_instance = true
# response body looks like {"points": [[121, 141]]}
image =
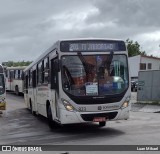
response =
{"points": [[94, 75], [2, 84]]}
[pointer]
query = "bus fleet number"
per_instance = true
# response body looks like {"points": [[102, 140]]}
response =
{"points": [[82, 109]]}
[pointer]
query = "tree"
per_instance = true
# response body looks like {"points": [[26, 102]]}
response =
{"points": [[134, 48], [19, 63]]}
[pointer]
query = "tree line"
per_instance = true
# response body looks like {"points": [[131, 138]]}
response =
{"points": [[134, 48], [15, 64]]}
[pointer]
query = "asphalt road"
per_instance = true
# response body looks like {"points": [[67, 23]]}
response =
{"points": [[19, 127]]}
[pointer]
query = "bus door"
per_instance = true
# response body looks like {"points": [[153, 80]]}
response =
{"points": [[12, 80], [34, 91], [54, 86], [9, 80], [26, 91]]}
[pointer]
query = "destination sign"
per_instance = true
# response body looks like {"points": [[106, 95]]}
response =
{"points": [[91, 46], [75, 46]]}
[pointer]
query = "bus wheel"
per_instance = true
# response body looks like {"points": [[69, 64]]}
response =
{"points": [[16, 90], [102, 124], [51, 123], [31, 108]]}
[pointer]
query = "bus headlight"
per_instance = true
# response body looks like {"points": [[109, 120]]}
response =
{"points": [[2, 105], [125, 104], [67, 105]]}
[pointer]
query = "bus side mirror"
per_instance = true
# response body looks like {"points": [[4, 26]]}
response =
{"points": [[56, 65]]}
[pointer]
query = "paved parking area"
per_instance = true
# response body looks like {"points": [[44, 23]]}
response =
{"points": [[142, 107], [134, 97]]}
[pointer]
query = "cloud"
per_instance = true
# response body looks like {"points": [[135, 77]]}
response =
{"points": [[134, 19], [150, 41], [138, 13], [29, 27]]}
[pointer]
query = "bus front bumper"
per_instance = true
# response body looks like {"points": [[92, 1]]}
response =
{"points": [[67, 117]]}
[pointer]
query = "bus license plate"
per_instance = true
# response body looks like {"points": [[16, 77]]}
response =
{"points": [[99, 119]]}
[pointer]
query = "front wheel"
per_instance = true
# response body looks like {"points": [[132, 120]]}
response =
{"points": [[102, 124], [51, 123], [31, 108]]}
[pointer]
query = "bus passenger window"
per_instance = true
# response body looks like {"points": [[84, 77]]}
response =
{"points": [[39, 74], [46, 70], [54, 75]]}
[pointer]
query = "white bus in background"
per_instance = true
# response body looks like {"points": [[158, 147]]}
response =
{"points": [[81, 80], [14, 80], [2, 89]]}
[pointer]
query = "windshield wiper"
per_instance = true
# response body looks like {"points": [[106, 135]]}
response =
{"points": [[108, 61], [87, 66]]}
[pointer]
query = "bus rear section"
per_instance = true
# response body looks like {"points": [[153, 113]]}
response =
{"points": [[14, 81], [88, 81], [2, 89]]}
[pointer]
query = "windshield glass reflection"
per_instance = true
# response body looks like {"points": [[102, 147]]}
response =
{"points": [[94, 74]]}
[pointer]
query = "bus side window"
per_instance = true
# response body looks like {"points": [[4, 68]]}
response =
{"points": [[30, 78], [14, 75], [39, 73], [34, 79], [26, 84], [19, 74], [54, 75], [42, 71], [8, 74], [11, 74], [46, 70]]}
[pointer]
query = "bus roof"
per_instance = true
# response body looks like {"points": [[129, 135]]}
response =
{"points": [[56, 45], [80, 39]]}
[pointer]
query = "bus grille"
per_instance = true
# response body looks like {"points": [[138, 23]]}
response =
{"points": [[90, 117]]}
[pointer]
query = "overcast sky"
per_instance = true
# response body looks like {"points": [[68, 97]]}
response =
{"points": [[29, 27]]}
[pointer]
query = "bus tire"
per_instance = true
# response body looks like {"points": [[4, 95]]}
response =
{"points": [[31, 108], [16, 90], [102, 124], [51, 123]]}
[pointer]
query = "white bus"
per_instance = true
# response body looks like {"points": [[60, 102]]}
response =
{"points": [[14, 80], [2, 89], [81, 80]]}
